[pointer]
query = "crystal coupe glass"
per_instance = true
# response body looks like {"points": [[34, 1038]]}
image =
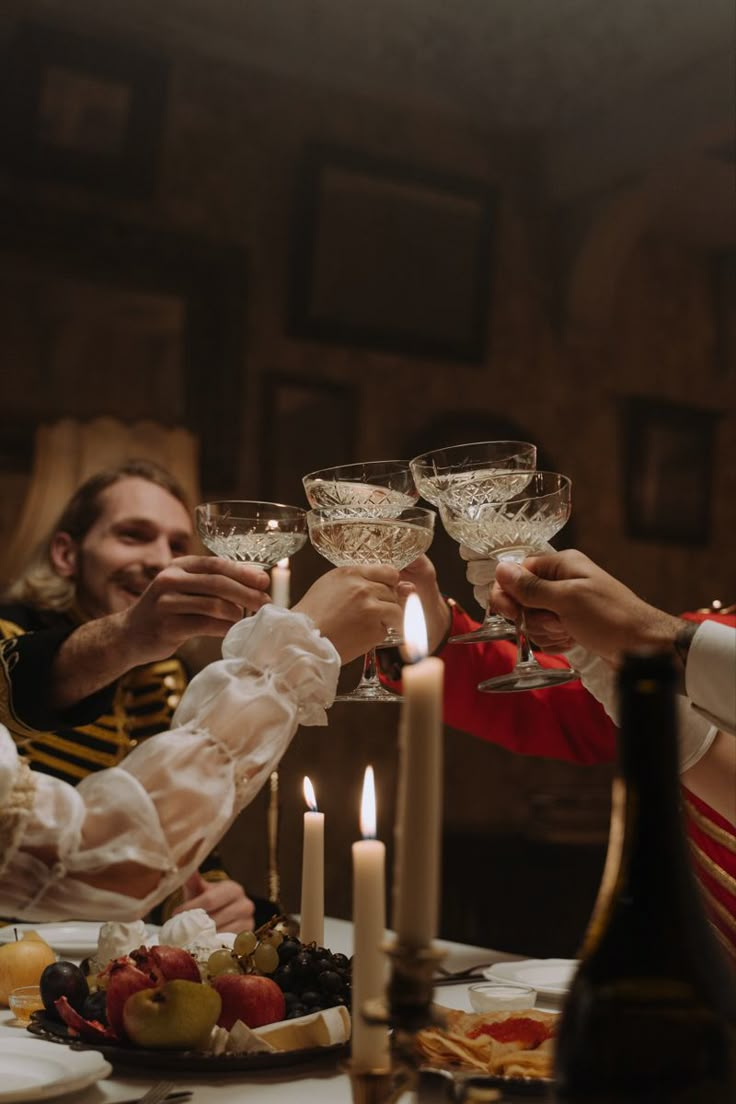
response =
{"points": [[465, 475], [259, 533], [371, 488], [361, 539], [376, 488], [512, 528]]}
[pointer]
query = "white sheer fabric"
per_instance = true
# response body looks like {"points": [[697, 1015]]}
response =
{"points": [[696, 733], [143, 827]]}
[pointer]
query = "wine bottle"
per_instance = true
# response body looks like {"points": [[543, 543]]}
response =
{"points": [[651, 1013]]}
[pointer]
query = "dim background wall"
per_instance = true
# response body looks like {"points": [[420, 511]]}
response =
{"points": [[232, 141]]}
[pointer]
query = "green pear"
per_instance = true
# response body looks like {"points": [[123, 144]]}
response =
{"points": [[178, 1015]]}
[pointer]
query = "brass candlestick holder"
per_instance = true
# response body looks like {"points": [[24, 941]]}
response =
{"points": [[407, 1009], [273, 817]]}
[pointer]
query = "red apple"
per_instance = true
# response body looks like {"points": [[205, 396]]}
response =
{"points": [[254, 999]]}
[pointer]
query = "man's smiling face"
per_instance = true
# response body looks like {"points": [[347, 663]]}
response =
{"points": [[140, 529]]}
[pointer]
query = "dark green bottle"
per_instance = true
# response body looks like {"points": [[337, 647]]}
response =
{"points": [[651, 1014]]}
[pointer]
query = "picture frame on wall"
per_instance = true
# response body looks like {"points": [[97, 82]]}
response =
{"points": [[390, 256], [82, 110], [174, 302], [668, 471], [306, 425]]}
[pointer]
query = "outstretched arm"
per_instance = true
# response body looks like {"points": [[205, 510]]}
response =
{"points": [[193, 596], [125, 837]]}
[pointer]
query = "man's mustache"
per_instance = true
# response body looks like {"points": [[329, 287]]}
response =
{"points": [[135, 578]]}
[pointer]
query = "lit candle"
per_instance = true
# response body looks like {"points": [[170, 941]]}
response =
{"points": [[280, 581], [419, 812], [369, 1041], [312, 929]]}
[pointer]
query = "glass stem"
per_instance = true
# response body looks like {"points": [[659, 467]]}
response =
{"points": [[369, 676], [524, 653], [490, 618]]}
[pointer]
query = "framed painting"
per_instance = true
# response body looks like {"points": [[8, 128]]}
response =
{"points": [[100, 317], [668, 471], [391, 257], [82, 110]]}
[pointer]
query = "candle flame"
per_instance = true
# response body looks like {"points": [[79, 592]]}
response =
{"points": [[368, 806], [272, 525], [309, 797], [284, 562], [415, 629]]}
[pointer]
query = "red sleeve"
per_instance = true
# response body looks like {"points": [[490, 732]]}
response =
{"points": [[561, 722]]}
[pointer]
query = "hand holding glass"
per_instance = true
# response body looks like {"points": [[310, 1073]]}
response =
{"points": [[517, 525], [465, 475], [356, 540]]}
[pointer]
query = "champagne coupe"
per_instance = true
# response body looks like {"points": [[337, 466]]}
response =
{"points": [[259, 533], [376, 488], [371, 488], [466, 475], [362, 539], [516, 525]]}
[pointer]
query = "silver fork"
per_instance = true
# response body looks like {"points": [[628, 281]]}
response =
{"points": [[469, 971], [157, 1093]]}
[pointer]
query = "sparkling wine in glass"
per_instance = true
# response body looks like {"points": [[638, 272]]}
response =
{"points": [[465, 475], [376, 488], [259, 533], [370, 488], [360, 540], [516, 526]]}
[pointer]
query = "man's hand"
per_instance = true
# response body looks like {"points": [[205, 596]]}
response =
{"points": [[224, 900], [421, 577], [353, 607], [568, 599], [193, 596]]}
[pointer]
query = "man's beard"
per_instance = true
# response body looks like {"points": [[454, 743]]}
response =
{"points": [[129, 582]]}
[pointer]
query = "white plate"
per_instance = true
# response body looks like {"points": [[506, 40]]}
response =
{"points": [[550, 977], [33, 1069], [77, 938]]}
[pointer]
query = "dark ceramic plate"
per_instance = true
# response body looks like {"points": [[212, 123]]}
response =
{"points": [[182, 1060]]}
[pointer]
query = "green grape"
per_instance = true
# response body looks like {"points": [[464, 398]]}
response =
{"points": [[221, 962], [245, 943], [273, 938], [266, 958]]}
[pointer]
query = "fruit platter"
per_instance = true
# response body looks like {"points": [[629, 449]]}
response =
{"points": [[258, 1000]]}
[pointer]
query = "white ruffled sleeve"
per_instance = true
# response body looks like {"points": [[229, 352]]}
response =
{"points": [[710, 674], [695, 733], [138, 830]]}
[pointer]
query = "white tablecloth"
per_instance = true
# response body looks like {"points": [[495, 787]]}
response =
{"points": [[313, 1083]]}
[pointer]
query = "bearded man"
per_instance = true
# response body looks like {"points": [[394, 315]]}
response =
{"points": [[89, 634]]}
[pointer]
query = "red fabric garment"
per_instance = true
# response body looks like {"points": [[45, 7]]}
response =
{"points": [[560, 722], [565, 722], [713, 842], [706, 615], [713, 849]]}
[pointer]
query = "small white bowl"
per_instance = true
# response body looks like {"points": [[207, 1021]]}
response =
{"points": [[494, 996]]}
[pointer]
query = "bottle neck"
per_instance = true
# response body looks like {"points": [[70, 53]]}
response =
{"points": [[649, 769]]}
